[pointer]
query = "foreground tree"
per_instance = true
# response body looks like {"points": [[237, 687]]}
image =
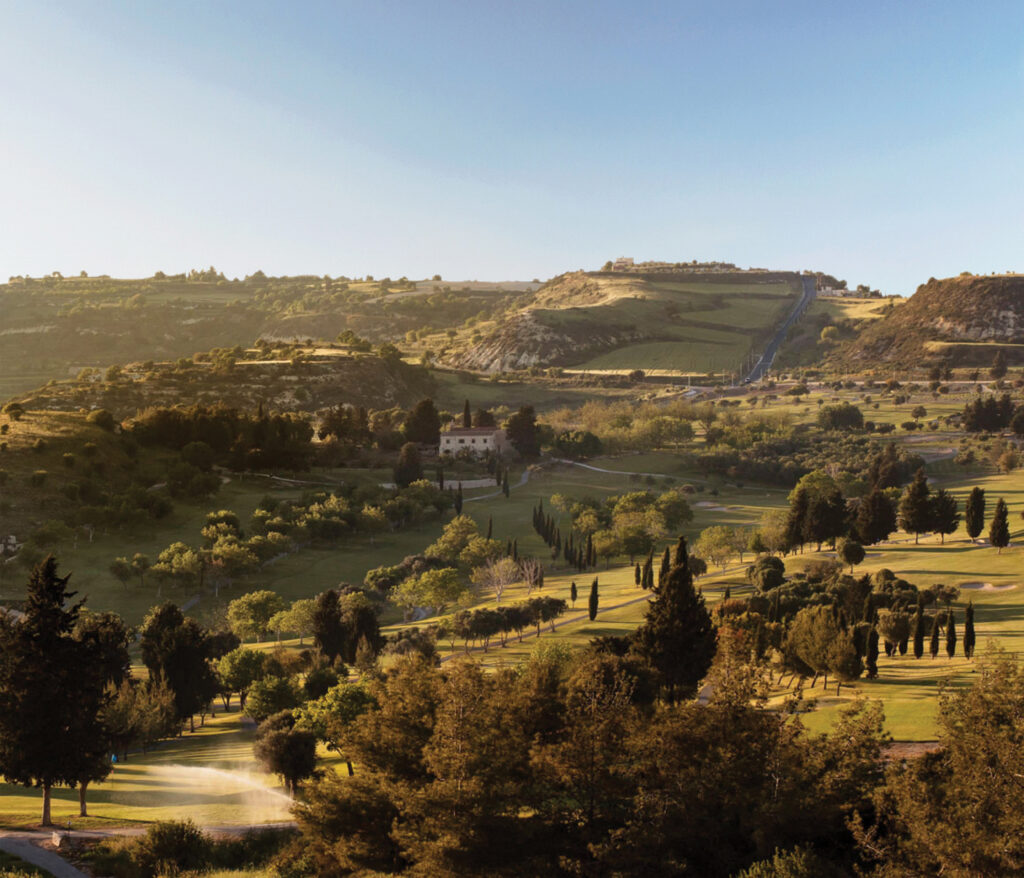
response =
{"points": [[677, 638], [957, 811], [52, 690], [285, 749]]}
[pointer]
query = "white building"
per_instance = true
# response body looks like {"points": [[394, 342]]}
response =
{"points": [[476, 440]]}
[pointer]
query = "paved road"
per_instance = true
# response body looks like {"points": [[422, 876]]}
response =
{"points": [[768, 357]]}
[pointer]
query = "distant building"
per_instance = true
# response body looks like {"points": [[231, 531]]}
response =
{"points": [[839, 293], [476, 440], [623, 263]]}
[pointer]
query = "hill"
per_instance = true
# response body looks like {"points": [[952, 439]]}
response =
{"points": [[961, 321], [677, 321], [54, 327]]}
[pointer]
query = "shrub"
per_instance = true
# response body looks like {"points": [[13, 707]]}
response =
{"points": [[38, 478], [103, 419], [39, 446], [69, 460]]}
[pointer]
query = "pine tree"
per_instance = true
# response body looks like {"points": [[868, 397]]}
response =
{"points": [[975, 513], [915, 506], [467, 417], [933, 646], [951, 633], [918, 632], [945, 514], [677, 638], [797, 519], [876, 518], [969, 630], [573, 594], [592, 603], [999, 530], [51, 692]]}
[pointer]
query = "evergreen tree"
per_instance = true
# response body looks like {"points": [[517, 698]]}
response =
{"points": [[797, 520], [647, 573], [423, 424], [950, 633], [945, 514], [458, 501], [918, 632], [876, 518], [969, 630], [999, 530], [666, 566], [871, 660], [592, 602], [51, 692], [490, 526], [915, 506], [504, 484], [573, 594], [637, 575], [329, 631], [677, 638], [998, 368], [440, 477], [933, 646], [409, 469], [975, 513], [467, 418], [515, 549]]}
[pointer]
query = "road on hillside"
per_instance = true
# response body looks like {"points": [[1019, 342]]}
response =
{"points": [[768, 357]]}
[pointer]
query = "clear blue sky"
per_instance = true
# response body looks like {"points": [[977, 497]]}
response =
{"points": [[880, 141]]}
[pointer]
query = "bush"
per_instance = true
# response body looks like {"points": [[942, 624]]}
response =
{"points": [[103, 419], [39, 446], [38, 478], [69, 460], [170, 848]]}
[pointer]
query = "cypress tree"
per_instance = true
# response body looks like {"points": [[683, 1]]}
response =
{"points": [[666, 566], [573, 594], [490, 524], [999, 530], [504, 484], [677, 638], [508, 549], [637, 575], [869, 608], [951, 633], [591, 558], [681, 556], [969, 630], [974, 515], [467, 418], [440, 477], [458, 500], [727, 593], [871, 662], [933, 646], [645, 575], [918, 632], [592, 603], [515, 549]]}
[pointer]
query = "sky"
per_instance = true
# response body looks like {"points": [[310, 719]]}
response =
{"points": [[880, 142]]}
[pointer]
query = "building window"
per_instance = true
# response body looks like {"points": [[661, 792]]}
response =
{"points": [[462, 442]]}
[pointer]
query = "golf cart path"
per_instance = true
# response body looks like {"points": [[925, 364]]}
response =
{"points": [[26, 848]]}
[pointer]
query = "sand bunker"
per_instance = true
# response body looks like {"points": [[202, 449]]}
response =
{"points": [[711, 507], [986, 586]]}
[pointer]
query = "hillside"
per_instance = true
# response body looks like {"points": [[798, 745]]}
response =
{"points": [[53, 327], [284, 379], [677, 321], [961, 320]]}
